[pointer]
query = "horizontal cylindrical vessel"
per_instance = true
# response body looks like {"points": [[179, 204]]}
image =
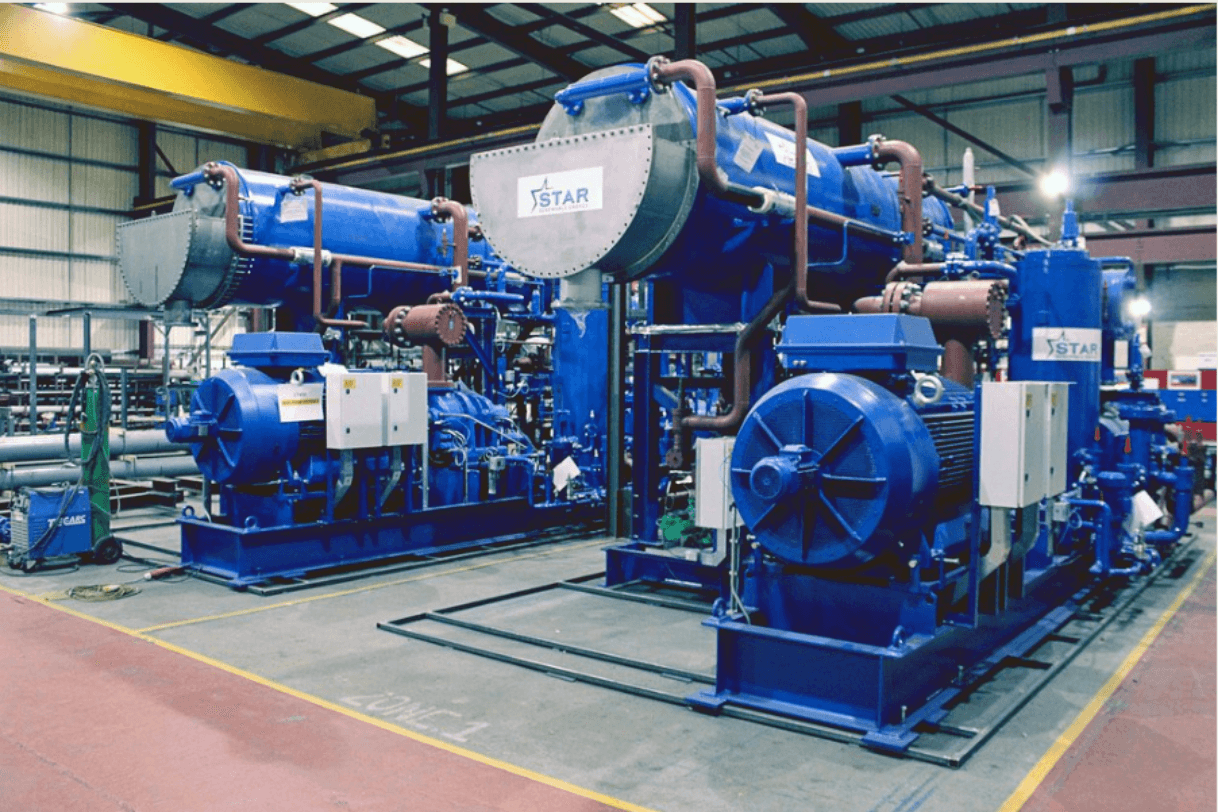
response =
{"points": [[611, 183], [184, 256]]}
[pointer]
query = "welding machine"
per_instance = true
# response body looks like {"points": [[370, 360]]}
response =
{"points": [[53, 525]]}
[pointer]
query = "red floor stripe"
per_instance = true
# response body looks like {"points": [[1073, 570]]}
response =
{"points": [[1152, 746], [92, 719]]}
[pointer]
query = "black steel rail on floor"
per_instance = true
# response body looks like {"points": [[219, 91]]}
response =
{"points": [[392, 566], [1071, 627]]}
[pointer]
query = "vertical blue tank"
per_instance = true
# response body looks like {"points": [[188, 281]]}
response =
{"points": [[1057, 332]]}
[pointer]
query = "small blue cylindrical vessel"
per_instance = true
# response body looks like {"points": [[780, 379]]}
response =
{"points": [[1056, 332]]}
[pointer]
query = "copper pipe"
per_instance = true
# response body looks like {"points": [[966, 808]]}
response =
{"points": [[298, 185], [909, 190], [905, 270], [699, 75], [958, 364], [442, 209], [232, 220], [743, 384], [799, 248]]}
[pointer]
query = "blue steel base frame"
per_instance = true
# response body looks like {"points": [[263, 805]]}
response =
{"points": [[631, 562], [245, 557], [884, 693]]}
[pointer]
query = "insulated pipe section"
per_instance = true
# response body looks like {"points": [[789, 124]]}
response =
{"points": [[32, 449], [435, 326], [12, 479]]}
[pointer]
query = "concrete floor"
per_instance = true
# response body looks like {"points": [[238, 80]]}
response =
{"points": [[324, 642]]}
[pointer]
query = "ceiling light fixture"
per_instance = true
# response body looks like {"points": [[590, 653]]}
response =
{"points": [[54, 8], [453, 66], [403, 47], [356, 25], [314, 9], [636, 15]]}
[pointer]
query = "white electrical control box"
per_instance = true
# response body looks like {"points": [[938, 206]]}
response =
{"points": [[355, 416], [1057, 437], [1014, 427], [404, 398], [714, 507]]}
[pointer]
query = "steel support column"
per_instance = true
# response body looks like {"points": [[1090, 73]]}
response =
{"points": [[849, 123], [616, 449], [146, 171], [33, 374], [684, 31]]}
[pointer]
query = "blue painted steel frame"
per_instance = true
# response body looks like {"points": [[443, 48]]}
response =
{"points": [[245, 557], [884, 693]]}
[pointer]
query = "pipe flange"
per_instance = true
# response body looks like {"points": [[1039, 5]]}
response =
{"points": [[442, 324], [995, 303]]}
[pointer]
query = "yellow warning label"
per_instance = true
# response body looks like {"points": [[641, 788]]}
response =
{"points": [[348, 383], [395, 383]]}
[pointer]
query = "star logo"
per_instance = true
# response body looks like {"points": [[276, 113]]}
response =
{"points": [[545, 187]]}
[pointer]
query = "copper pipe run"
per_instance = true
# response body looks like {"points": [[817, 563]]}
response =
{"points": [[909, 190], [905, 270], [664, 73], [444, 209], [298, 185], [799, 248], [232, 234], [743, 365]]}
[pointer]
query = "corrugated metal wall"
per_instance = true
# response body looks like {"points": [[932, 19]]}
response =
{"points": [[67, 179]]}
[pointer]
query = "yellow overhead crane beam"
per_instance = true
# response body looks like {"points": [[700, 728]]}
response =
{"points": [[81, 63]]}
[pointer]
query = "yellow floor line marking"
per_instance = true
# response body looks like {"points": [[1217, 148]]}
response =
{"points": [[250, 610], [523, 772], [1034, 778]]}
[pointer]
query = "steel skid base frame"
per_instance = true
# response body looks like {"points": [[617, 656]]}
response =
{"points": [[277, 559], [933, 733], [636, 562]]}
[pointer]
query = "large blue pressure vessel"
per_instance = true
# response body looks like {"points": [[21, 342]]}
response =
{"points": [[614, 187], [1057, 332], [183, 256]]}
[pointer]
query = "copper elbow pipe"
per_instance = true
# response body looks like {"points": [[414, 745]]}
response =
{"points": [[910, 190], [799, 249], [443, 208], [299, 185], [905, 270], [232, 216]]}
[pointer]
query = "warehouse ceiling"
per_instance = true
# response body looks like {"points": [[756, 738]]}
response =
{"points": [[506, 60]]}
